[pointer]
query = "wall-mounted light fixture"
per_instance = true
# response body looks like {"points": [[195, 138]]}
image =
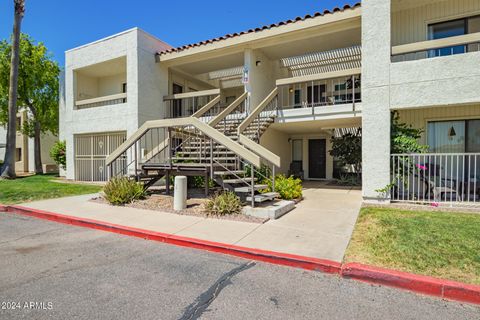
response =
{"points": [[290, 90], [258, 63]]}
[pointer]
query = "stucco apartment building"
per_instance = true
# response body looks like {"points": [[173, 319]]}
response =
{"points": [[276, 94], [24, 154]]}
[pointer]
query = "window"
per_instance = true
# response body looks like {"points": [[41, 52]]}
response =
{"points": [[454, 136], [316, 94], [297, 150], [297, 98], [451, 29]]}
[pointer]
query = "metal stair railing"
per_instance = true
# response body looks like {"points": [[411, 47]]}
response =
{"points": [[127, 159]]}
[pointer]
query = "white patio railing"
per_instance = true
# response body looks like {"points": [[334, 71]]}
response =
{"points": [[436, 178], [320, 92]]}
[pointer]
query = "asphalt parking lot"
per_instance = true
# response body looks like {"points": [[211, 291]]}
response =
{"points": [[55, 271]]}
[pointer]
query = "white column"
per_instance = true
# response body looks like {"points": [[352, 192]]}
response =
{"points": [[260, 76], [376, 59]]}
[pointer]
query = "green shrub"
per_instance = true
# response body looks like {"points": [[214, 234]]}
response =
{"points": [[120, 191], [59, 154], [288, 188], [222, 204]]}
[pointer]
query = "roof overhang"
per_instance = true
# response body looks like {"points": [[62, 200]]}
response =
{"points": [[328, 23]]}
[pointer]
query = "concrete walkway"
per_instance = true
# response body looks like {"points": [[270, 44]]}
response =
{"points": [[320, 226]]}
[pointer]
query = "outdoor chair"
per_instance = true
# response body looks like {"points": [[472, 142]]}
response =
{"points": [[296, 170]]}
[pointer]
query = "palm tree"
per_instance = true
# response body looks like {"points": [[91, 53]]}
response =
{"points": [[8, 168]]}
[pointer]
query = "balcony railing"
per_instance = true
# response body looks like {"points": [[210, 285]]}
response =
{"points": [[320, 92], [436, 48], [102, 101], [186, 104], [436, 178]]}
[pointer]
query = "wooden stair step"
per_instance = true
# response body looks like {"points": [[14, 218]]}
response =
{"points": [[228, 173]]}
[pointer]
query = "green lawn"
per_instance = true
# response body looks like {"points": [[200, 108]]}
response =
{"points": [[40, 187], [434, 243]]}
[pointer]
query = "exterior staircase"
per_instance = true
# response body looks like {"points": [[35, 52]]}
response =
{"points": [[219, 148]]}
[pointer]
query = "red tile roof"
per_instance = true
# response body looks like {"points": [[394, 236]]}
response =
{"points": [[266, 27]]}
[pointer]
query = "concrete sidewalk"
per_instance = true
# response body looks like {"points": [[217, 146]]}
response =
{"points": [[320, 226]]}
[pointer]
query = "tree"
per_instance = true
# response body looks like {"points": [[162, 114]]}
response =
{"points": [[348, 149], [37, 90], [8, 168], [405, 138]]}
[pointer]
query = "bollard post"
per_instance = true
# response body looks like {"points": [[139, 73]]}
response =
{"points": [[180, 193]]}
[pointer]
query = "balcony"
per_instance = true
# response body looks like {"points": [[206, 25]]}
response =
{"points": [[101, 84], [437, 48], [102, 101]]}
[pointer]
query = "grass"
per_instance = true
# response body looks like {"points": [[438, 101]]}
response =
{"points": [[40, 187], [438, 244]]}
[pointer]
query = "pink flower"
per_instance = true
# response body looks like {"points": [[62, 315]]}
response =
{"points": [[435, 204], [419, 166]]}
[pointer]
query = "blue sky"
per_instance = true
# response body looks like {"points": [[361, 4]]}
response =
{"points": [[62, 25]]}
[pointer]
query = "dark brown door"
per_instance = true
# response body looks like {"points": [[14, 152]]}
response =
{"points": [[317, 158]]}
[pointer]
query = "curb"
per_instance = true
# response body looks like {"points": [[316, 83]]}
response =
{"points": [[445, 289], [291, 260]]}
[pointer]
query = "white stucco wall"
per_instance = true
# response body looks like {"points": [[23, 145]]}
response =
{"points": [[144, 88], [376, 50], [261, 77], [449, 80]]}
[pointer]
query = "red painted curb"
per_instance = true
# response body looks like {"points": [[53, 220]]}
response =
{"points": [[422, 284], [291, 260]]}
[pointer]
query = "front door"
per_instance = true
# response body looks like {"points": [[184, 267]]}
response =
{"points": [[317, 159]]}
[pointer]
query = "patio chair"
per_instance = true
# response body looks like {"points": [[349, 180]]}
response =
{"points": [[296, 170]]}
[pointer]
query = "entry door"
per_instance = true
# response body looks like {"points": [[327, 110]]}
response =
{"points": [[177, 104], [317, 158]]}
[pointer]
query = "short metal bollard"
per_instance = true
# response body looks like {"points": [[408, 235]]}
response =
{"points": [[180, 193]]}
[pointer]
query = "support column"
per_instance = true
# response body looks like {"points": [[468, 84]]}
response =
{"points": [[260, 76], [376, 60]]}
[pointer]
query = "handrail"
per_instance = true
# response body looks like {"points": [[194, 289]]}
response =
{"points": [[162, 145], [192, 94], [436, 44], [260, 150], [228, 110], [101, 99], [206, 107], [205, 128], [257, 111]]}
